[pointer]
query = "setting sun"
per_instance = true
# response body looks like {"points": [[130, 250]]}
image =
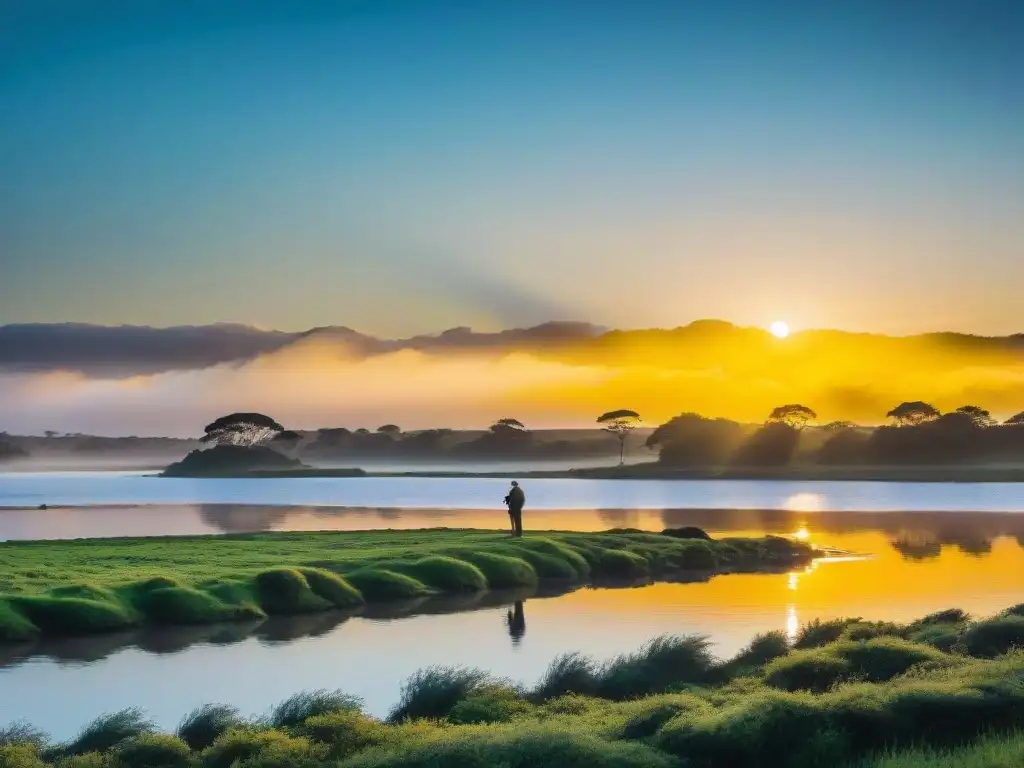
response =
{"points": [[779, 329]]}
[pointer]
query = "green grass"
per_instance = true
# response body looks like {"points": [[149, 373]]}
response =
{"points": [[79, 587], [882, 701]]}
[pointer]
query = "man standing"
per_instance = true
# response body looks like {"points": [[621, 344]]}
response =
{"points": [[515, 500]]}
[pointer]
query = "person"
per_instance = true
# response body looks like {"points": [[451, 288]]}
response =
{"points": [[516, 621], [515, 500]]}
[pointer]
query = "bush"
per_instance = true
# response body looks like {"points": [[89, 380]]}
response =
{"points": [[73, 615], [811, 670], [302, 706], [502, 571], [88, 760], [332, 588], [515, 749], [995, 636], [817, 633], [20, 756], [1017, 610], [868, 630], [884, 658], [568, 673], [661, 664], [376, 584], [948, 616], [344, 732], [559, 550], [489, 704], [21, 732], [108, 730], [687, 532], [244, 748], [153, 750], [203, 725], [649, 722], [286, 591], [434, 691], [764, 648], [945, 637]]}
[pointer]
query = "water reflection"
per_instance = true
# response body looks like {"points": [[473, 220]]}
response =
{"points": [[516, 620]]}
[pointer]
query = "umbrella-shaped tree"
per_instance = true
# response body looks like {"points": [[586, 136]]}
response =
{"points": [[245, 429], [619, 423]]}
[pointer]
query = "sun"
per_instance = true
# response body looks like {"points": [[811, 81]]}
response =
{"points": [[779, 329]]}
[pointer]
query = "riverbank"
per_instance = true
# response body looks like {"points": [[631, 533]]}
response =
{"points": [[940, 691], [88, 586], [654, 471]]}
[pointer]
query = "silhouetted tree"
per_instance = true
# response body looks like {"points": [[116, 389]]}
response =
{"points": [[506, 425], [910, 414], [391, 430], [691, 440], [1015, 420], [977, 414], [793, 415], [845, 445], [838, 426], [245, 429], [773, 445], [287, 439], [51, 433], [619, 423], [362, 431]]}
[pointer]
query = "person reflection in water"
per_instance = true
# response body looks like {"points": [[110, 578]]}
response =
{"points": [[515, 500], [516, 620]]}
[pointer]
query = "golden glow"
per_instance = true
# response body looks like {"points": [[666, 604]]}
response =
{"points": [[802, 533], [779, 329]]}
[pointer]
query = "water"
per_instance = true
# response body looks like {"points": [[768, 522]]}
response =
{"points": [[914, 562]]}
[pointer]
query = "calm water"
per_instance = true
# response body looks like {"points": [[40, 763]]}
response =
{"points": [[916, 561]]}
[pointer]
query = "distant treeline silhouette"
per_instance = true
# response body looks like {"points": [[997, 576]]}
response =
{"points": [[919, 435]]}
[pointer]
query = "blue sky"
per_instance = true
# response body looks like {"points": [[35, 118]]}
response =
{"points": [[403, 167]]}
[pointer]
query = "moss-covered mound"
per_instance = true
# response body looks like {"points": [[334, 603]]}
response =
{"points": [[231, 460]]}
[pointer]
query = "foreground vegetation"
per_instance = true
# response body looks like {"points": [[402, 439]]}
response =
{"points": [[52, 588], [941, 691]]}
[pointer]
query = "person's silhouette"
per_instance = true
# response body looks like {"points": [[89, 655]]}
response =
{"points": [[515, 500], [516, 621]]}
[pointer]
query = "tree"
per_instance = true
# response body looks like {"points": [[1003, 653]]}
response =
{"points": [[505, 426], [792, 415], [245, 429], [838, 426], [50, 433], [619, 423], [977, 414], [913, 413], [691, 440], [391, 430], [1016, 419]]}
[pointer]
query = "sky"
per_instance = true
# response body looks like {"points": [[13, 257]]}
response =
{"points": [[403, 166]]}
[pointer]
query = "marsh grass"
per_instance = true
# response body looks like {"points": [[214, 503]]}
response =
{"points": [[153, 750], [569, 673], [203, 725], [81, 587], [434, 691], [107, 731], [661, 664], [302, 706]]}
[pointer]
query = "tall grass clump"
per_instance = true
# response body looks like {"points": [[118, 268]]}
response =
{"points": [[948, 616], [201, 727], [509, 748], [332, 588], [153, 750], [14, 626], [568, 673], [490, 704], [817, 633], [548, 567], [763, 649], [993, 637], [73, 615], [501, 571], [302, 706], [559, 550], [622, 564], [285, 591], [434, 691], [185, 605], [21, 732], [447, 574], [344, 732], [661, 664], [379, 584], [108, 730]]}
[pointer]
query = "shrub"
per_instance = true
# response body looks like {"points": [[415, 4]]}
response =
{"points": [[687, 532], [622, 564], [661, 664], [20, 756], [948, 616], [376, 584], [489, 704], [88, 760], [332, 588], [201, 727], [107, 730], [73, 615], [568, 673], [286, 591], [302, 706], [811, 670], [434, 691], [153, 750], [243, 748], [647, 723], [1017, 610], [344, 732], [995, 636], [502, 571], [945, 637], [884, 658], [514, 749], [21, 732], [763, 649], [817, 633], [867, 630]]}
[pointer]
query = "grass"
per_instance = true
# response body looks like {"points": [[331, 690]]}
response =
{"points": [[79, 587], [875, 699]]}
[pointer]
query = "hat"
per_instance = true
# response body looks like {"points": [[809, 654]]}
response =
{"points": [[514, 483]]}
